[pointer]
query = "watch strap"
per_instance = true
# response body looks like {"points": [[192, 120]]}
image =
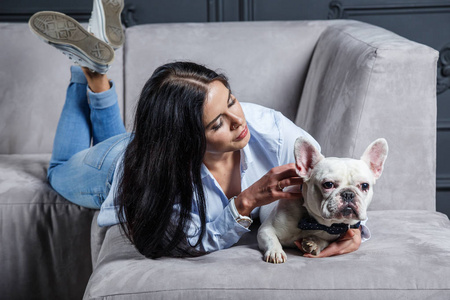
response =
{"points": [[242, 220]]}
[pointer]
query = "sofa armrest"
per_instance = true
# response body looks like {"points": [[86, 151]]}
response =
{"points": [[363, 83]]}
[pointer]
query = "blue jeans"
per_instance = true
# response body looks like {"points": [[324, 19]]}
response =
{"points": [[82, 173]]}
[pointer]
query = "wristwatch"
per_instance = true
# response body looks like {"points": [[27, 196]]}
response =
{"points": [[242, 220]]}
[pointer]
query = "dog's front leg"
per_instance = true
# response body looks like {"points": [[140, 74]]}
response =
{"points": [[269, 243], [268, 240], [279, 228]]}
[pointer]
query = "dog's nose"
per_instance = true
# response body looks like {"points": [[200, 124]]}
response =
{"points": [[347, 196]]}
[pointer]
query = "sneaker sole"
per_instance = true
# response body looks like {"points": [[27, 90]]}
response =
{"points": [[111, 10], [65, 33]]}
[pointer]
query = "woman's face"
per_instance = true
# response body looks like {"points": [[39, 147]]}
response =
{"points": [[225, 126]]}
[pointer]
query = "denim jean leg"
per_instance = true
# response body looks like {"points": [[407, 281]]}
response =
{"points": [[80, 173], [105, 115], [73, 133], [85, 179]]}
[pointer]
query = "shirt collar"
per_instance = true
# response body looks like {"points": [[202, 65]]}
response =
{"points": [[246, 158], [205, 172]]}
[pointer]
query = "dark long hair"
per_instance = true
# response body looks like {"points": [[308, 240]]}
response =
{"points": [[162, 163]]}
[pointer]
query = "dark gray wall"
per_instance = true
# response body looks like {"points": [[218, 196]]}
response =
{"points": [[427, 22]]}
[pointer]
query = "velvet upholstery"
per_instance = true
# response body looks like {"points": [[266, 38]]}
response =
{"points": [[362, 85], [44, 239], [345, 82], [397, 263], [352, 72], [254, 57], [358, 83]]}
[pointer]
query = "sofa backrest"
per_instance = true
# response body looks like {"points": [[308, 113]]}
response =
{"points": [[365, 83], [266, 62], [33, 82], [391, 92], [350, 77]]}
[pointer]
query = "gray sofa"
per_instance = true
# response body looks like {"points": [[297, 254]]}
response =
{"points": [[345, 82]]}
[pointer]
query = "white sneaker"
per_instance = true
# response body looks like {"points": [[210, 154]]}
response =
{"points": [[105, 22], [69, 37]]}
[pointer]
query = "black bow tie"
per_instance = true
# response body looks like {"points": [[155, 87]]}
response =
{"points": [[336, 228]]}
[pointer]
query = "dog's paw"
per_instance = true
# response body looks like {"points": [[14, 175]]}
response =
{"points": [[310, 245], [275, 256]]}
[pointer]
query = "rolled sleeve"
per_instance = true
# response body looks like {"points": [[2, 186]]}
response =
{"points": [[365, 232], [223, 232]]}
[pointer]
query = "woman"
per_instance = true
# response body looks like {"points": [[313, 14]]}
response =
{"points": [[198, 164]]}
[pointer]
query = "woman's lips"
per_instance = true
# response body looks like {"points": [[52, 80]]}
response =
{"points": [[243, 134]]}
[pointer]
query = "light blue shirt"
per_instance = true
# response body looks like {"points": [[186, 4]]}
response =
{"points": [[271, 144]]}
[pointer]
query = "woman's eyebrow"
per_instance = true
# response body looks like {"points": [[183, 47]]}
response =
{"points": [[229, 95]]}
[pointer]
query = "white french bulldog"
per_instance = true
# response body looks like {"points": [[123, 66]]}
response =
{"points": [[336, 194]]}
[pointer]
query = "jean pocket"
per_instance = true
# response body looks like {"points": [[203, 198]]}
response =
{"points": [[110, 148]]}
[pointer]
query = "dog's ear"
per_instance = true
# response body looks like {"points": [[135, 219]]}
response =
{"points": [[375, 156], [306, 157]]}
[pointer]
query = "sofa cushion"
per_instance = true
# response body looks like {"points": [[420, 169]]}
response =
{"points": [[406, 258], [44, 239]]}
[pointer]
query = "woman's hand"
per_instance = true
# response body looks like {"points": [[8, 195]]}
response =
{"points": [[269, 189], [347, 243]]}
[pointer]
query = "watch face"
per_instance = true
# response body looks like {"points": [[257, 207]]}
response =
{"points": [[244, 222]]}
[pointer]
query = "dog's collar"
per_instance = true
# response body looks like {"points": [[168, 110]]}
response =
{"points": [[336, 228]]}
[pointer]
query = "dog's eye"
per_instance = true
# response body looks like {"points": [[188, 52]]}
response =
{"points": [[365, 186], [328, 185]]}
